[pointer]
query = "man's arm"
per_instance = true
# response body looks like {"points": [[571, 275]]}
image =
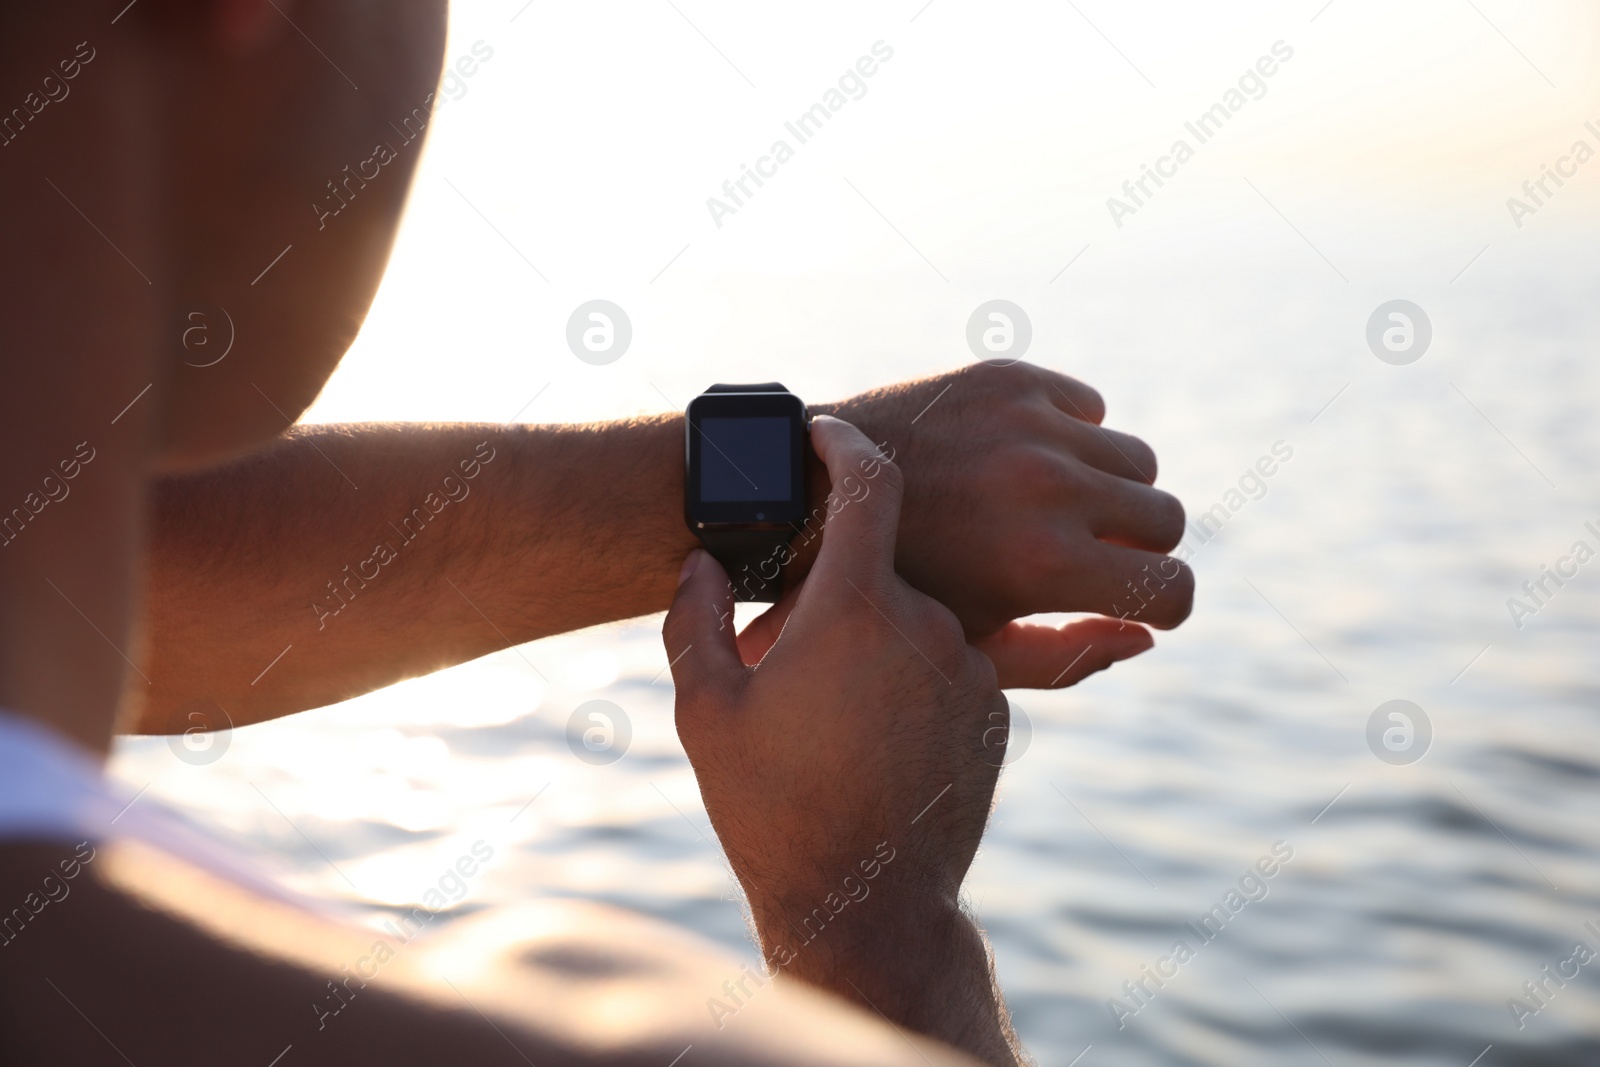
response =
{"points": [[346, 558]]}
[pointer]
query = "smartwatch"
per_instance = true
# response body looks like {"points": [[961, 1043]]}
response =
{"points": [[744, 486]]}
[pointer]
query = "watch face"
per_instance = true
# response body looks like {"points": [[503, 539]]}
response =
{"points": [[745, 459]]}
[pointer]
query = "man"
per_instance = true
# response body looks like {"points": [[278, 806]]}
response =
{"points": [[159, 156]]}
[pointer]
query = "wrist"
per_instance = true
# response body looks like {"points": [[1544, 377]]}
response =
{"points": [[672, 540], [821, 913], [832, 934], [599, 509], [920, 963]]}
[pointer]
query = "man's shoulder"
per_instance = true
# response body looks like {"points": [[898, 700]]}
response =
{"points": [[167, 962]]}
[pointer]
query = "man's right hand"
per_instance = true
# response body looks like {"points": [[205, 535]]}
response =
{"points": [[850, 773]]}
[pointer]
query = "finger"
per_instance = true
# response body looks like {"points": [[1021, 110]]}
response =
{"points": [[1132, 514], [763, 632], [858, 536], [1072, 396], [1111, 451], [698, 633], [1124, 583], [1031, 656]]}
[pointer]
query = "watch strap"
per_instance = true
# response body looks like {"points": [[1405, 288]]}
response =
{"points": [[753, 560], [763, 387]]}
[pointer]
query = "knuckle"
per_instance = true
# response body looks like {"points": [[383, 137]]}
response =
{"points": [[1169, 520], [1090, 400], [1148, 461], [1141, 455], [1082, 401]]}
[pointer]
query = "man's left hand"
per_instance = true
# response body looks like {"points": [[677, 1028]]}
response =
{"points": [[1018, 502]]}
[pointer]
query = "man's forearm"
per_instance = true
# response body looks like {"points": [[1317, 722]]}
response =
{"points": [[350, 557], [1009, 486]]}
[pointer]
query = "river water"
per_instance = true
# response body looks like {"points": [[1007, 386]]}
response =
{"points": [[1415, 889]]}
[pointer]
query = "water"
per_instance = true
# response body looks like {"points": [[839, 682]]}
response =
{"points": [[1375, 566]]}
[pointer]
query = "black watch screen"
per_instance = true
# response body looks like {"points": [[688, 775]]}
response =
{"points": [[744, 485], [745, 461]]}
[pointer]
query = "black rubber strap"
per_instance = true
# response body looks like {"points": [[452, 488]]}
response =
{"points": [[753, 560], [764, 387]]}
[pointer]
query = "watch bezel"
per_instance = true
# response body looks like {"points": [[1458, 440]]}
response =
{"points": [[740, 514]]}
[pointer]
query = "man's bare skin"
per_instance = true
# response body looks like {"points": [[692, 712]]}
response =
{"points": [[848, 730], [151, 961], [1017, 503]]}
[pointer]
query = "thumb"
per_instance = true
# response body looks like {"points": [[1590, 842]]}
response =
{"points": [[859, 534], [698, 632], [1031, 656]]}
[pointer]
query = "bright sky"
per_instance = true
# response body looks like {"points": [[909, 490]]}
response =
{"points": [[578, 160]]}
